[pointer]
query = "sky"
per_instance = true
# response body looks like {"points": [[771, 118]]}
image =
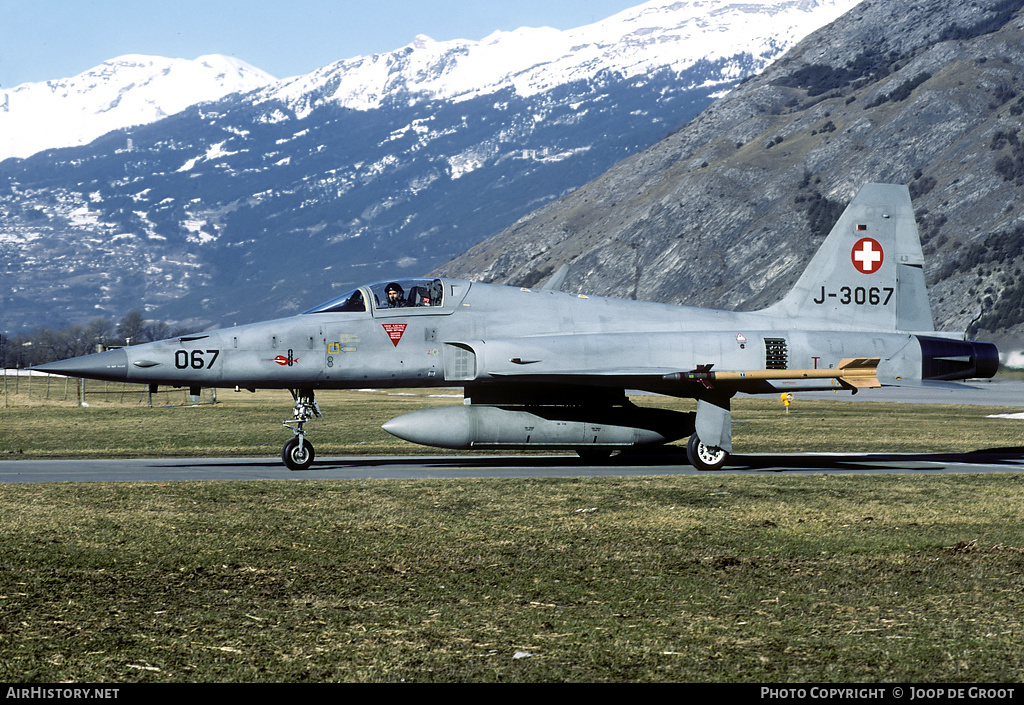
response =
{"points": [[50, 39]]}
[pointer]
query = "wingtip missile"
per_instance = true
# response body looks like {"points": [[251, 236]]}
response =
{"points": [[858, 373]]}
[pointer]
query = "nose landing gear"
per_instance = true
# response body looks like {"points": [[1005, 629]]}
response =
{"points": [[298, 453]]}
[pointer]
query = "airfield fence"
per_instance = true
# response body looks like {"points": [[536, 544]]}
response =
{"points": [[22, 386]]}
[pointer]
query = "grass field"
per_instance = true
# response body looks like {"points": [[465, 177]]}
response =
{"points": [[757, 579], [685, 579]]}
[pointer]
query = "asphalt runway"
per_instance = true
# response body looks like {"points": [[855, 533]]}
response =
{"points": [[1006, 460], [1001, 393]]}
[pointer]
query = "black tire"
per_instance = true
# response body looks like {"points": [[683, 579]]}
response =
{"points": [[296, 459], [704, 457]]}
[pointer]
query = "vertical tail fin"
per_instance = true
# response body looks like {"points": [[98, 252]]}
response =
{"points": [[869, 272]]}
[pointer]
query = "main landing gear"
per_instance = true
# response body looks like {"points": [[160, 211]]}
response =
{"points": [[298, 453], [705, 457], [713, 423]]}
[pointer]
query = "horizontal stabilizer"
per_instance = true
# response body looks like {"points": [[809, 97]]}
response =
{"points": [[557, 279], [890, 381]]}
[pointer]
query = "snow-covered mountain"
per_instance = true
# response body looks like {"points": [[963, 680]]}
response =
{"points": [[263, 203], [122, 92], [136, 90], [658, 35]]}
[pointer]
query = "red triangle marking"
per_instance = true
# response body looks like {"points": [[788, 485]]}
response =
{"points": [[394, 331]]}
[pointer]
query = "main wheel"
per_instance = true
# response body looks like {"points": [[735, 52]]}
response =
{"points": [[705, 457], [297, 456]]}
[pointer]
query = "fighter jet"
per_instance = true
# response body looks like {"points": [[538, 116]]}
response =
{"points": [[545, 369]]}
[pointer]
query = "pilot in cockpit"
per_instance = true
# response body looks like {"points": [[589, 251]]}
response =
{"points": [[395, 295]]}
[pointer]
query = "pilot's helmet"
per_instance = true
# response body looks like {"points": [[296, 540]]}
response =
{"points": [[394, 286]]}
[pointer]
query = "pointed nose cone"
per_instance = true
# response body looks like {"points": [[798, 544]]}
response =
{"points": [[443, 427], [402, 427], [112, 365]]}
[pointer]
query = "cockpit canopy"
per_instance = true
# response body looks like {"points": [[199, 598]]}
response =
{"points": [[397, 293]]}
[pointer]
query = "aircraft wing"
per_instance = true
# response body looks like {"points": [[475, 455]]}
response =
{"points": [[859, 374], [608, 360], [648, 378]]}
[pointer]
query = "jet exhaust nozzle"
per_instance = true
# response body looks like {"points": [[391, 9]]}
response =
{"points": [[944, 359]]}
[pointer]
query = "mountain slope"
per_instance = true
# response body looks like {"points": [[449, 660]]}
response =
{"points": [[727, 211]]}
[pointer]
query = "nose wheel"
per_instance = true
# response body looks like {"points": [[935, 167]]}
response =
{"points": [[298, 453]]}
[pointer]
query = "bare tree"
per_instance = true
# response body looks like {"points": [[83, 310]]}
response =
{"points": [[131, 327]]}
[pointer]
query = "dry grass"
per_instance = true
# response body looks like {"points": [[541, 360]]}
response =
{"points": [[744, 579]]}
